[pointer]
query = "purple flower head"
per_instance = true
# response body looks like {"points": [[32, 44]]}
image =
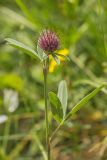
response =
{"points": [[48, 41]]}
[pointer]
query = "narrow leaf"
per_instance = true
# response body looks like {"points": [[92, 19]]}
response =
{"points": [[25, 10], [63, 56], [63, 95], [84, 101], [56, 107], [45, 56], [57, 60], [22, 47]]}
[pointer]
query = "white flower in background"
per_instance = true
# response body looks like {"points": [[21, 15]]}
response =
{"points": [[11, 100], [3, 118]]}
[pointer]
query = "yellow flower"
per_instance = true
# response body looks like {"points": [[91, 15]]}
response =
{"points": [[53, 64], [64, 52]]}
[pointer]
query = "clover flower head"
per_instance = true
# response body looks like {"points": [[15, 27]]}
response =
{"points": [[48, 41]]}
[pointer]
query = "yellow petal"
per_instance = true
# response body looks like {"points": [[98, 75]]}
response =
{"points": [[63, 52], [52, 66]]}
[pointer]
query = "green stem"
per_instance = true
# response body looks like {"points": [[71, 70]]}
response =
{"points": [[56, 130], [45, 71]]}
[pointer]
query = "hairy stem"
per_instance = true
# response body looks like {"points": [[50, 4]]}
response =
{"points": [[45, 72]]}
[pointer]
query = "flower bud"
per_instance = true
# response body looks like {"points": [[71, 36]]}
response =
{"points": [[48, 41]]}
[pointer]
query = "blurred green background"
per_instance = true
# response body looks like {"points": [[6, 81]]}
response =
{"points": [[82, 28]]}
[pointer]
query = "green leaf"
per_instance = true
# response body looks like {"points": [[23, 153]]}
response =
{"points": [[41, 53], [57, 60], [63, 95], [56, 107], [84, 101], [22, 47]]}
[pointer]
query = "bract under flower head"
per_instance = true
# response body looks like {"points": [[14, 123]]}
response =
{"points": [[53, 64], [48, 41]]}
